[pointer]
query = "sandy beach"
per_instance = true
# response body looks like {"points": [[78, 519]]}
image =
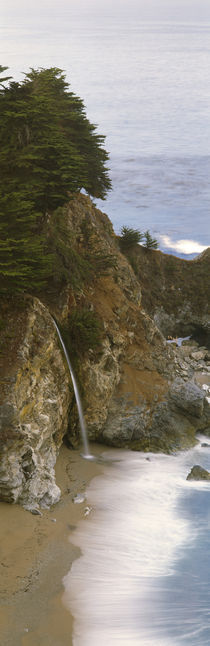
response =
{"points": [[35, 554]]}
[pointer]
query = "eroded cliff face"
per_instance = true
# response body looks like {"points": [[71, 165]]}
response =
{"points": [[175, 292], [35, 396], [137, 390]]}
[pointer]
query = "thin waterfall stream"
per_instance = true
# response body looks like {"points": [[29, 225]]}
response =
{"points": [[87, 455]]}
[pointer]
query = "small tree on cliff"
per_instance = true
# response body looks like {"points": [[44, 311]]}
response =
{"points": [[48, 149], [149, 242], [129, 238]]}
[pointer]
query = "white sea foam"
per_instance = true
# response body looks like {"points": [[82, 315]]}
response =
{"points": [[133, 537]]}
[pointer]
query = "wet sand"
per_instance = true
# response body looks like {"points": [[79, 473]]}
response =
{"points": [[35, 554]]}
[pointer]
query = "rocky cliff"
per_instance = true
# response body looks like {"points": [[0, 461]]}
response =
{"points": [[175, 292], [138, 391], [35, 397]]}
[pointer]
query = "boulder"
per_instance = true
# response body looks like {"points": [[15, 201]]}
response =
{"points": [[199, 355], [198, 473], [187, 396]]}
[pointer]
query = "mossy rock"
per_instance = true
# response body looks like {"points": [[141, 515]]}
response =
{"points": [[198, 473]]}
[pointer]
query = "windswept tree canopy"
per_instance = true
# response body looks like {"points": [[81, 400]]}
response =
{"points": [[48, 150]]}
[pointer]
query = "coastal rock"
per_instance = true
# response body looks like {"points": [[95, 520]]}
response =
{"points": [[170, 430], [34, 414], [175, 292], [188, 397], [198, 473], [199, 355]]}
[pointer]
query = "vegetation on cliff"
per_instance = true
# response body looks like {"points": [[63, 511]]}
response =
{"points": [[128, 241], [48, 149], [82, 331], [131, 237]]}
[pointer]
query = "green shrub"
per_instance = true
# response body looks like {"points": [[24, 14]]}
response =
{"points": [[150, 243], [82, 332], [129, 238], [101, 263], [69, 265]]}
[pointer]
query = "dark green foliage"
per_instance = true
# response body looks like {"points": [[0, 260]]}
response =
{"points": [[128, 245], [101, 263], [82, 332], [3, 78], [54, 146], [68, 263], [48, 148], [129, 238], [85, 330], [23, 258], [150, 243]]}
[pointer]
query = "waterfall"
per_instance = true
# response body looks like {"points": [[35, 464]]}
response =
{"points": [[87, 453]]}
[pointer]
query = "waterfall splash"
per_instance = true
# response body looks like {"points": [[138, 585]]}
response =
{"points": [[87, 455]]}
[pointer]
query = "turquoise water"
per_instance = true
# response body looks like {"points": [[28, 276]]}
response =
{"points": [[146, 85]]}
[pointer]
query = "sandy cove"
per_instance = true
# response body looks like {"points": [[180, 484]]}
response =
{"points": [[35, 554]]}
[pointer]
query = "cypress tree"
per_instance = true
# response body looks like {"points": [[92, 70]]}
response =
{"points": [[48, 150], [150, 243]]}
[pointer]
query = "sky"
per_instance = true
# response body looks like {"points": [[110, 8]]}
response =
{"points": [[184, 10]]}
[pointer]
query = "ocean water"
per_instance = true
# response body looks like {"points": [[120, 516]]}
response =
{"points": [[143, 575], [146, 84]]}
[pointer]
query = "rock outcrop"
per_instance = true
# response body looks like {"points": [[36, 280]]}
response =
{"points": [[175, 292], [187, 397], [138, 391], [198, 473], [35, 397]]}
